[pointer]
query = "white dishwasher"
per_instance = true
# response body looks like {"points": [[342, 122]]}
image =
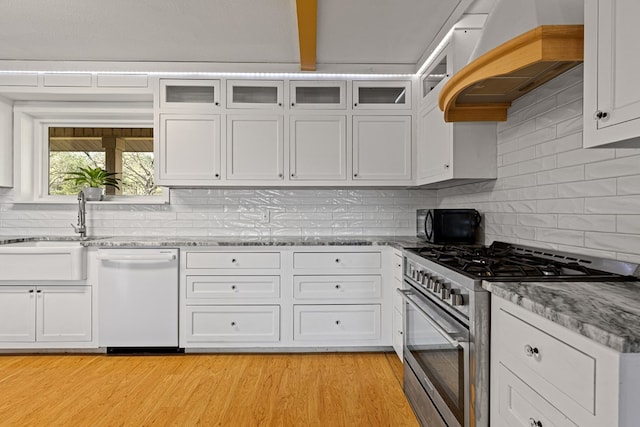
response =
{"points": [[138, 300]]}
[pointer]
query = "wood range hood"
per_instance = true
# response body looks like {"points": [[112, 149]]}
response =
{"points": [[484, 89]]}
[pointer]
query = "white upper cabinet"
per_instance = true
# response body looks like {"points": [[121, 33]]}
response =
{"points": [[611, 61], [188, 149], [6, 143], [318, 148], [382, 148], [318, 94], [378, 95], [255, 147], [448, 151], [189, 95], [255, 94]]}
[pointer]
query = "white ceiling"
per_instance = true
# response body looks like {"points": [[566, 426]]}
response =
{"points": [[219, 31]]}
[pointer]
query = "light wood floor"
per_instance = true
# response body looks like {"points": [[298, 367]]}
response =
{"points": [[325, 389]]}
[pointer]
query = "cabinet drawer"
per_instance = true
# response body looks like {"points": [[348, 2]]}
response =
{"points": [[342, 287], [520, 406], [331, 323], [553, 365], [258, 323], [243, 260], [336, 260], [233, 287]]}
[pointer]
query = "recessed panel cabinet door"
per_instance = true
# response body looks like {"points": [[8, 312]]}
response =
{"points": [[63, 313], [382, 148], [435, 141], [611, 90], [17, 314], [318, 148], [255, 147], [189, 149], [6, 143]]}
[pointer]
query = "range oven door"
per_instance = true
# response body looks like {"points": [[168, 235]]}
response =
{"points": [[436, 348]]}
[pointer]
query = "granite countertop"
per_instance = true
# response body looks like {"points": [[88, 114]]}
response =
{"points": [[606, 312], [143, 241]]}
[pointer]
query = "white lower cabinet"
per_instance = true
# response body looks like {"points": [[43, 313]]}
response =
{"points": [[45, 314], [543, 374], [396, 262], [328, 324], [308, 297], [233, 323]]}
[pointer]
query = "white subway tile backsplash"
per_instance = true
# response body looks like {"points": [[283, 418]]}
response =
{"points": [[579, 200], [613, 205], [599, 187], [613, 168], [588, 222]]}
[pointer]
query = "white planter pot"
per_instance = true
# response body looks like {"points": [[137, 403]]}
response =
{"points": [[93, 193]]}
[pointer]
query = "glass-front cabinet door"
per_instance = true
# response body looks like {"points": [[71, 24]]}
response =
{"points": [[195, 95], [386, 95], [264, 94], [318, 94]]}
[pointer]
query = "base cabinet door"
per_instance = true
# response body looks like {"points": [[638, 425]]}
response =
{"points": [[63, 313], [17, 314], [235, 324]]}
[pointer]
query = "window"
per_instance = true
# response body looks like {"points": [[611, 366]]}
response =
{"points": [[127, 152], [51, 138]]}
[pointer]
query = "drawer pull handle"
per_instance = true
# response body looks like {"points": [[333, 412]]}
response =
{"points": [[534, 423], [532, 351]]}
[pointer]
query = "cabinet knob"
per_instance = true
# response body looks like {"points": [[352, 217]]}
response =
{"points": [[217, 103], [446, 165], [39, 291], [338, 286], [337, 322], [355, 104], [233, 287], [233, 323], [355, 175], [30, 291], [600, 115], [293, 175], [280, 175], [534, 423], [217, 175], [337, 260], [279, 104], [531, 351], [234, 260], [293, 104]]}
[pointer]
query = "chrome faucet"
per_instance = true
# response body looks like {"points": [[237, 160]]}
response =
{"points": [[82, 216]]}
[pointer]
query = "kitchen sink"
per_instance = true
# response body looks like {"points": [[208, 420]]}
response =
{"points": [[43, 260]]}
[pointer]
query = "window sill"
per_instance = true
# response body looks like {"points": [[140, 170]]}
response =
{"points": [[122, 200]]}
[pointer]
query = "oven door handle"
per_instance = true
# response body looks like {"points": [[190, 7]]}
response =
{"points": [[446, 335]]}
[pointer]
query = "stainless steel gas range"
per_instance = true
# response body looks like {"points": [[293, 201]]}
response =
{"points": [[447, 319]]}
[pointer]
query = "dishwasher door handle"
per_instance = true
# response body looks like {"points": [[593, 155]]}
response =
{"points": [[159, 258]]}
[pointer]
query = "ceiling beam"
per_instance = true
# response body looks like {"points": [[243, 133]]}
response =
{"points": [[307, 33]]}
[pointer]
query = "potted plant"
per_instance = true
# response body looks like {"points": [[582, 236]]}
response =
{"points": [[93, 181]]}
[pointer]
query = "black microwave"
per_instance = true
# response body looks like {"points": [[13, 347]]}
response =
{"points": [[447, 226]]}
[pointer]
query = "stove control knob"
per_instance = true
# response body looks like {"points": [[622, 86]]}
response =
{"points": [[437, 286], [445, 294], [420, 276], [426, 278], [430, 282], [457, 299]]}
